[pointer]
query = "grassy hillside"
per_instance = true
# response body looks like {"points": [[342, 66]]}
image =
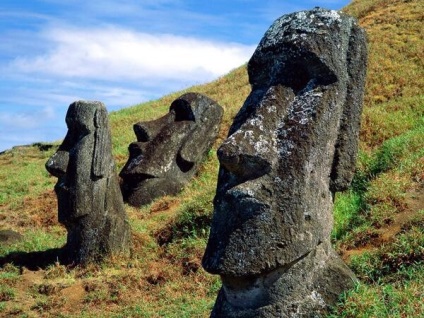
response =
{"points": [[379, 222]]}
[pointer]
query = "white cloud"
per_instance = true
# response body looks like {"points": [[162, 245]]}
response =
{"points": [[24, 127], [114, 54], [28, 120]]}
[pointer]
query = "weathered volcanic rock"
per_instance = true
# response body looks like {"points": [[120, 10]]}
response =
{"points": [[290, 147], [89, 198], [169, 150]]}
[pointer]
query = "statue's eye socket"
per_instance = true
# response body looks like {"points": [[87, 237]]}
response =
{"points": [[77, 129], [142, 133], [182, 110], [135, 149]]}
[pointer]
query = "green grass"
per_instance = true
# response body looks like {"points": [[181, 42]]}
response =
{"points": [[36, 240], [398, 298], [380, 184], [26, 177], [346, 213], [406, 250]]}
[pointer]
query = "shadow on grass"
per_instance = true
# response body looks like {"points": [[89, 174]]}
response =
{"points": [[35, 260]]}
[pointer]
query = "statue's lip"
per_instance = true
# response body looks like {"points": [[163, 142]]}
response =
{"points": [[268, 274], [137, 178], [241, 194], [62, 187]]}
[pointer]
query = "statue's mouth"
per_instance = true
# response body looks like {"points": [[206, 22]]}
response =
{"points": [[247, 194], [135, 181], [239, 194], [140, 177], [61, 186], [254, 291]]}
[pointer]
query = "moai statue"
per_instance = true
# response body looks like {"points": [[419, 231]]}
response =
{"points": [[290, 148], [169, 150], [89, 198]]}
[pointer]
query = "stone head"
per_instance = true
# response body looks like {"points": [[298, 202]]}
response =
{"points": [[169, 150], [89, 199], [290, 147], [82, 159]]}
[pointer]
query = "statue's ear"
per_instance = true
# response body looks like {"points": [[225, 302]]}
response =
{"points": [[346, 150], [102, 144], [187, 156], [206, 118], [196, 145]]}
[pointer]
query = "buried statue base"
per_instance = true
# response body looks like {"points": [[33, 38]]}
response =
{"points": [[293, 290]]}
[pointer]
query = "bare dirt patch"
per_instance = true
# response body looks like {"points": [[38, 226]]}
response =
{"points": [[386, 234], [164, 205], [73, 296]]}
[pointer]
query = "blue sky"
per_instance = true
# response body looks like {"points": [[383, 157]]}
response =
{"points": [[53, 52]]}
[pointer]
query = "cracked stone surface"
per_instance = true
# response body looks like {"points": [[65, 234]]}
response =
{"points": [[169, 150], [89, 198], [292, 145]]}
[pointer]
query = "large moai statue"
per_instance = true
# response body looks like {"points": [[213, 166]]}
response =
{"points": [[89, 198], [292, 145], [169, 150]]}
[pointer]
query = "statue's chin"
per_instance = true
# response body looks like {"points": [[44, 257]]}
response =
{"points": [[247, 292], [144, 192]]}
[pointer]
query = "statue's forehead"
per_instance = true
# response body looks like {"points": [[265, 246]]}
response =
{"points": [[294, 45], [81, 113], [300, 26]]}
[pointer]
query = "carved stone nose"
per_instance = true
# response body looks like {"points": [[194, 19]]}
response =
{"points": [[228, 156], [58, 163]]}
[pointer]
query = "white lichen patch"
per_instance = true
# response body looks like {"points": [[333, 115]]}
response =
{"points": [[332, 16], [257, 122], [263, 145], [166, 168], [298, 25], [301, 15], [303, 109], [317, 298], [248, 135], [271, 109]]}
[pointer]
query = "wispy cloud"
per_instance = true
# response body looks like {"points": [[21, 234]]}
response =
{"points": [[25, 127], [116, 53], [26, 120], [118, 66]]}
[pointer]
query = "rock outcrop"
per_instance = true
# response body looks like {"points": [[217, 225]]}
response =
{"points": [[292, 145], [169, 150], [89, 198]]}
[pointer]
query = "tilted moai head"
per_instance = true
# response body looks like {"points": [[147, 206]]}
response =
{"points": [[89, 198], [169, 150], [290, 147]]}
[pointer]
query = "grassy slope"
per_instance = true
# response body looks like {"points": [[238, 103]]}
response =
{"points": [[379, 221]]}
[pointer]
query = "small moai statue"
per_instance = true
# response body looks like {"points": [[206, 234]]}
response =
{"points": [[292, 145], [90, 203], [170, 149]]}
